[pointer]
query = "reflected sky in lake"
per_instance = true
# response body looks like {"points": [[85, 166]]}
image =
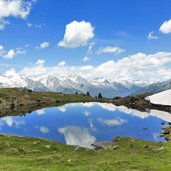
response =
{"points": [[85, 123]]}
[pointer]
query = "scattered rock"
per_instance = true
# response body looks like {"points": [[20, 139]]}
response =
{"points": [[69, 160], [76, 148], [163, 123], [6, 145], [160, 149], [166, 133], [23, 150], [36, 142], [101, 145], [115, 147], [14, 151], [146, 146], [47, 146]]}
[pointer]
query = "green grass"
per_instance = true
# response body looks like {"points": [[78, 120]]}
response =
{"points": [[22, 95], [18, 101], [19, 153]]}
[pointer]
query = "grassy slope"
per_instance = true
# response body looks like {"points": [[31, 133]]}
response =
{"points": [[17, 153], [19, 100], [23, 95]]}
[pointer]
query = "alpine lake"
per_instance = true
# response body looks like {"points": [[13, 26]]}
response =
{"points": [[83, 124]]}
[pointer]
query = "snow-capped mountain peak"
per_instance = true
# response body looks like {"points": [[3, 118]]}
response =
{"points": [[109, 87]]}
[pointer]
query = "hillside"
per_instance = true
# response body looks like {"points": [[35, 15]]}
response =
{"points": [[20, 99], [156, 87]]}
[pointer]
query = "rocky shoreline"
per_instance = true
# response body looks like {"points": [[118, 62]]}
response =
{"points": [[138, 102]]}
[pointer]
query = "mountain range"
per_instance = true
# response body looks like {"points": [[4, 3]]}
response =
{"points": [[109, 87]]}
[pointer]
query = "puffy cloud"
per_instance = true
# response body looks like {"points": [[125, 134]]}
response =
{"points": [[86, 68], [3, 23], [133, 112], [148, 67], [85, 59], [14, 8], [40, 112], [166, 27], [77, 136], [152, 67], [86, 113], [112, 122], [107, 106], [161, 114], [40, 62], [91, 45], [12, 53], [111, 49], [44, 45], [151, 36], [1, 47], [44, 130], [11, 122], [77, 34], [35, 25], [62, 63], [62, 108]]}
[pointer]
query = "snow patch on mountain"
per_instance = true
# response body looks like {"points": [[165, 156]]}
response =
{"points": [[162, 98]]}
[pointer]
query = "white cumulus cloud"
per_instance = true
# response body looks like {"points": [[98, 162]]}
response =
{"points": [[44, 130], [112, 122], [14, 8], [77, 136], [12, 53], [151, 36], [77, 34], [62, 63], [44, 45], [149, 67], [166, 27], [86, 58], [111, 49]]}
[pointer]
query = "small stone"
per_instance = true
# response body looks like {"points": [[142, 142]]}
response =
{"points": [[115, 147], [77, 148], [23, 150], [36, 142], [146, 146], [69, 160], [47, 146], [14, 151], [163, 123], [160, 149]]}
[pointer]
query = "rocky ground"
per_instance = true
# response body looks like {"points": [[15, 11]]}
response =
{"points": [[166, 133], [138, 102]]}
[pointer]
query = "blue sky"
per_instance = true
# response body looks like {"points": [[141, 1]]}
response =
{"points": [[116, 24]]}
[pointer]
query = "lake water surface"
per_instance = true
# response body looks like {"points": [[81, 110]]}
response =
{"points": [[86, 123]]}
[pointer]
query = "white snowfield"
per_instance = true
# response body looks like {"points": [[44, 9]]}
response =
{"points": [[162, 98]]}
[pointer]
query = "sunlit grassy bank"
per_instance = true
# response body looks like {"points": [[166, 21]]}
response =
{"points": [[18, 153]]}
